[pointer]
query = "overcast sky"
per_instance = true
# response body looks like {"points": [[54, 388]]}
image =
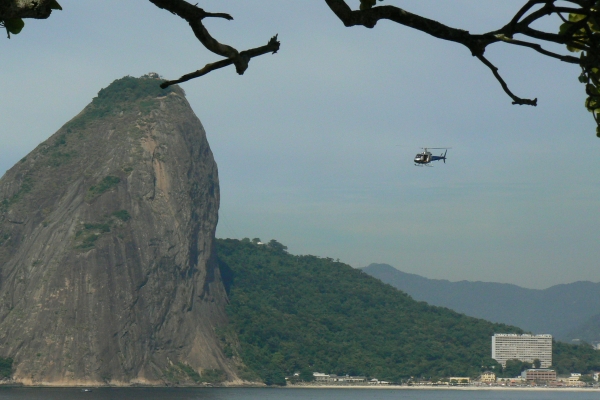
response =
{"points": [[315, 144]]}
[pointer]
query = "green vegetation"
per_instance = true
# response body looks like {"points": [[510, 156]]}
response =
{"points": [[4, 237], [107, 183], [102, 228], [86, 237], [190, 372], [55, 152], [182, 373], [305, 313], [26, 186], [295, 313], [6, 367], [213, 376], [123, 215], [513, 368], [175, 374], [130, 89], [567, 358], [119, 96]]}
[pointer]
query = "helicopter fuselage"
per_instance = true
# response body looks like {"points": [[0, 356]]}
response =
{"points": [[426, 157]]}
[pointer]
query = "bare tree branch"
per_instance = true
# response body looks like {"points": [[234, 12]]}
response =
{"points": [[194, 16], [475, 43], [540, 49], [516, 100], [524, 10], [271, 47], [370, 17]]}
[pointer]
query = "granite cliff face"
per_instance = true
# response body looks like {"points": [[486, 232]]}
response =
{"points": [[107, 263]]}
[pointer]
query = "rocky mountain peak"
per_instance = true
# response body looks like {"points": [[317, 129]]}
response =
{"points": [[107, 264]]}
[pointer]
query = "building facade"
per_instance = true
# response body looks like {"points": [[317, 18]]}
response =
{"points": [[510, 346], [539, 374], [488, 377]]}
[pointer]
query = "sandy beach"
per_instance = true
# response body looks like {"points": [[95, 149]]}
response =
{"points": [[468, 388]]}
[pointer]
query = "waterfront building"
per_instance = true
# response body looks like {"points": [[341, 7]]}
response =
{"points": [[510, 346], [539, 374], [332, 378], [321, 377], [488, 376]]}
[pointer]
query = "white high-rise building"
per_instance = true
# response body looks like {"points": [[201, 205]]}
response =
{"points": [[510, 346]]}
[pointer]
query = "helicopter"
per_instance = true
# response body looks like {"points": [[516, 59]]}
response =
{"points": [[425, 157]]}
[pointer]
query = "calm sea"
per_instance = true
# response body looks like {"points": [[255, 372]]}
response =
{"points": [[285, 394]]}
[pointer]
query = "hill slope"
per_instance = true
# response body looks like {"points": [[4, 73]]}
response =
{"points": [[589, 331], [296, 312], [106, 245], [557, 310]]}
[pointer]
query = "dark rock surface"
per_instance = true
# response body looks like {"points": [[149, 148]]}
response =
{"points": [[107, 263]]}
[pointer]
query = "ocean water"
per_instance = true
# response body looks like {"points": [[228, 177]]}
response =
{"points": [[286, 394]]}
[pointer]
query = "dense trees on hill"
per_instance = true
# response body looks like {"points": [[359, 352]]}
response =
{"points": [[293, 313], [304, 313], [567, 358]]}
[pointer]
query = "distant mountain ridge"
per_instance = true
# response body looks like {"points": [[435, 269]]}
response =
{"points": [[559, 310]]}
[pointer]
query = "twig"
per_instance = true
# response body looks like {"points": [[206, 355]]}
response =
{"points": [[271, 47], [516, 100]]}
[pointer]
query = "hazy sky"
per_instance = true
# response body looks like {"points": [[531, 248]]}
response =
{"points": [[315, 144]]}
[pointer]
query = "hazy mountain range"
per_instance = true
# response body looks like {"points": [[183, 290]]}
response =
{"points": [[567, 311]]}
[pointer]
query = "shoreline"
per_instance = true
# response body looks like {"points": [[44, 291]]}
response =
{"points": [[463, 388], [304, 386]]}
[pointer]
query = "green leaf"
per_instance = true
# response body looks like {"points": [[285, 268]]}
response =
{"points": [[576, 17], [598, 131], [54, 5], [14, 25], [583, 78], [564, 28], [593, 24], [591, 89]]}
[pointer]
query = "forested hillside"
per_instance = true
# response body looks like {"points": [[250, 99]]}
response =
{"points": [[304, 313], [293, 313]]}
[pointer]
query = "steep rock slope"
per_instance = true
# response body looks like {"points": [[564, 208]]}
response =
{"points": [[556, 310], [107, 267]]}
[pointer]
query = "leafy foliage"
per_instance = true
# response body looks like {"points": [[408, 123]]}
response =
{"points": [[12, 25], [582, 33], [293, 313], [128, 90], [123, 215], [212, 376], [15, 25], [120, 96], [514, 368], [6, 367], [26, 186], [86, 237], [305, 313], [107, 183], [181, 373], [567, 358]]}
